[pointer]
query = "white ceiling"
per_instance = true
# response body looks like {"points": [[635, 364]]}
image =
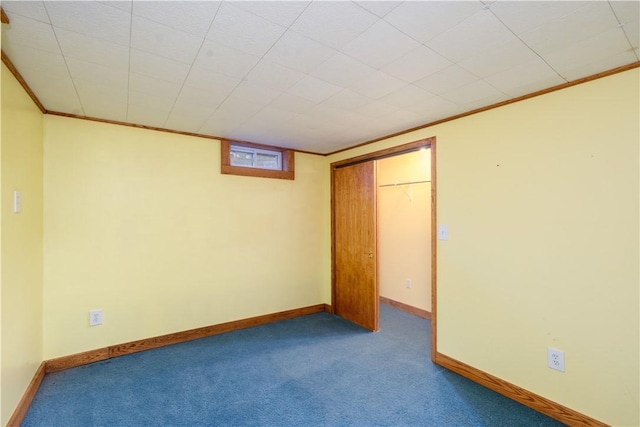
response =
{"points": [[316, 75]]}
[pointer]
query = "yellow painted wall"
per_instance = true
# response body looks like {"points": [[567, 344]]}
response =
{"points": [[404, 228], [541, 198], [142, 225], [21, 243]]}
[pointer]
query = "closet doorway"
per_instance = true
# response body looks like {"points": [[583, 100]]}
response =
{"points": [[355, 287]]}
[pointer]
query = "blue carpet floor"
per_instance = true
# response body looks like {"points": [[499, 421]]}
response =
{"points": [[316, 370]]}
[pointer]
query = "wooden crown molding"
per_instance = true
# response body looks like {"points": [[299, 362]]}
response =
{"points": [[35, 99], [499, 104], [5, 18], [23, 83]]}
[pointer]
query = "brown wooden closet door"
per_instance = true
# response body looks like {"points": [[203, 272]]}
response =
{"points": [[356, 287]]}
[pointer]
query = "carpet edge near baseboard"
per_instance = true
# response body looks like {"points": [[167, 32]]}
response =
{"points": [[519, 394], [91, 356]]}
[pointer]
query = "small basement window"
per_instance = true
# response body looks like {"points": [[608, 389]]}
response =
{"points": [[242, 158]]}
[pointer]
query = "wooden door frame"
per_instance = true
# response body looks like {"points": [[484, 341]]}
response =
{"points": [[377, 155]]}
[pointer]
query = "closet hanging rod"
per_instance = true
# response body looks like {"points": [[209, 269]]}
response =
{"points": [[403, 183]]}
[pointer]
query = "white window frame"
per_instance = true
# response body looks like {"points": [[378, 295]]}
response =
{"points": [[254, 152]]}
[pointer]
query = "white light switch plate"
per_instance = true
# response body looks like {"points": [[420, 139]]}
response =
{"points": [[443, 232], [17, 202]]}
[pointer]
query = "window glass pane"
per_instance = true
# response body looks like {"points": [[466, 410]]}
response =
{"points": [[268, 160], [242, 158]]}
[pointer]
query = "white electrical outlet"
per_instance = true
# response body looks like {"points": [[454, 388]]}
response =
{"points": [[407, 283], [555, 359], [95, 317]]}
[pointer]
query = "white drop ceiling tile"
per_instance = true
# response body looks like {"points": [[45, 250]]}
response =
{"points": [[61, 101], [34, 64], [379, 45], [273, 76], [161, 40], [313, 89], [377, 85], [234, 106], [91, 93], [244, 31], [103, 108], [292, 103], [525, 78], [329, 116], [28, 9], [445, 80], [588, 51], [587, 21], [193, 98], [255, 93], [193, 17], [118, 4], [377, 109], [159, 101], [272, 116], [91, 18], [151, 86], [342, 70], [407, 96], [471, 92], [434, 109], [98, 74], [484, 102], [224, 60], [155, 66], [481, 31], [626, 11], [333, 23], [417, 64], [298, 52], [402, 120], [609, 62], [89, 49], [210, 82], [347, 100], [379, 8], [30, 32], [188, 120], [522, 16], [424, 20], [279, 12], [221, 123], [500, 57], [632, 30], [146, 116]]}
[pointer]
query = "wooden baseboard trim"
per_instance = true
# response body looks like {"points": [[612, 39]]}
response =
{"points": [[78, 359], [519, 394], [405, 307], [27, 397], [117, 350]]}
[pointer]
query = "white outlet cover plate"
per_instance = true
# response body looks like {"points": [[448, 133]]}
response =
{"points": [[95, 317], [555, 359]]}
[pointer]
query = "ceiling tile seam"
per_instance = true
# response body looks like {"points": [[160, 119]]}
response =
{"points": [[527, 45], [252, 68], [380, 17], [64, 58], [186, 77], [626, 36], [28, 17]]}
